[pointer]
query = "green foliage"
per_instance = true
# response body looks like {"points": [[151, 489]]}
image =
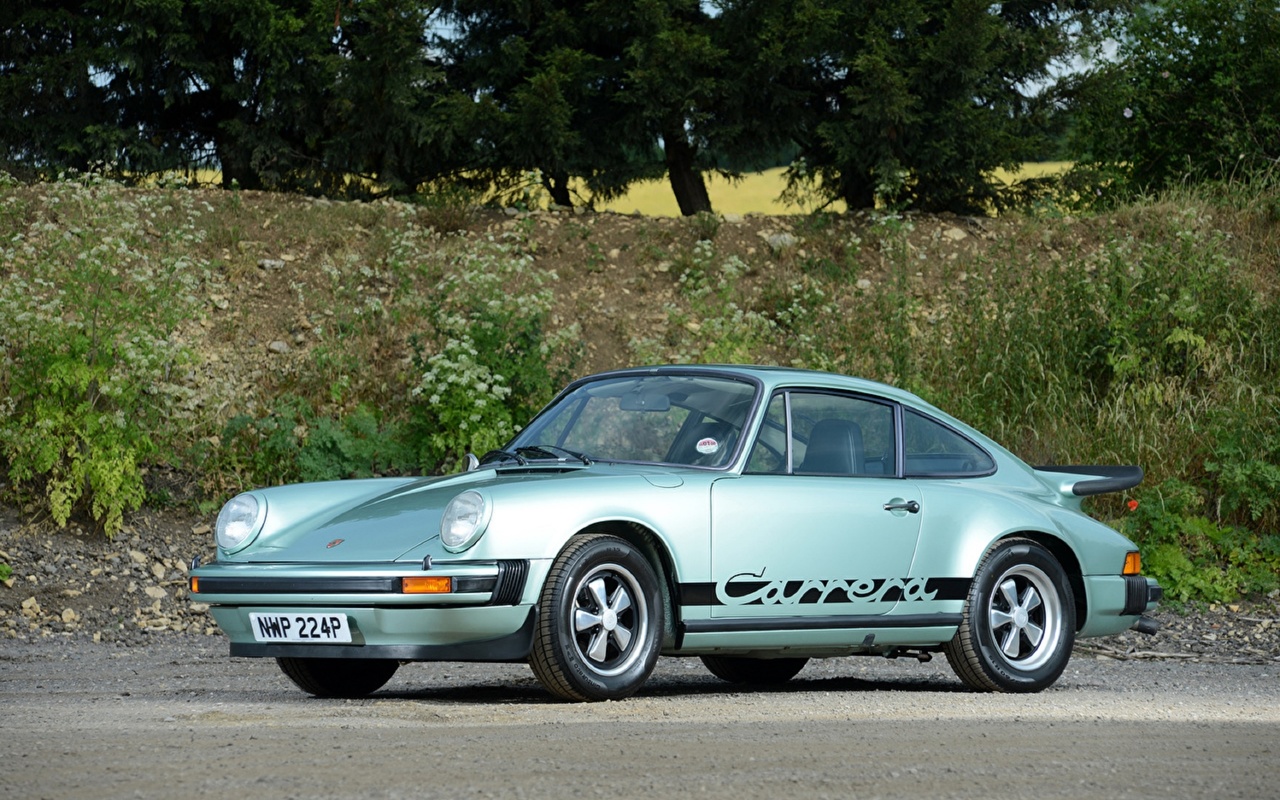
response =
{"points": [[724, 327], [1138, 337], [272, 93], [294, 443], [385, 116], [89, 350], [464, 408], [1193, 90], [488, 362], [6, 571], [911, 104], [580, 92], [1245, 462], [447, 208], [1195, 557]]}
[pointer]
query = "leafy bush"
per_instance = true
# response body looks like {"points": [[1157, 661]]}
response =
{"points": [[89, 348], [1193, 89], [487, 362], [1245, 461], [294, 443], [1194, 557], [465, 407]]}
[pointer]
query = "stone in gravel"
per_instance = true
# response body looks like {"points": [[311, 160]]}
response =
{"points": [[279, 347], [69, 615], [138, 556], [781, 241], [157, 569], [156, 593]]}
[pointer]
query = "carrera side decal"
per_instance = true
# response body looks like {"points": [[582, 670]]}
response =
{"points": [[750, 589]]}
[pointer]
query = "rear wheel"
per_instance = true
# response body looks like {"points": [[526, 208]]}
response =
{"points": [[339, 677], [599, 623], [1019, 622], [735, 669]]}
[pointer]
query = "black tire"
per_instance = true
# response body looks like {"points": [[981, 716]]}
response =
{"points": [[1019, 621], [339, 677], [768, 671], [600, 621]]}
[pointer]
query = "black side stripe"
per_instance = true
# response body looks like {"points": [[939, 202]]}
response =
{"points": [[704, 594]]}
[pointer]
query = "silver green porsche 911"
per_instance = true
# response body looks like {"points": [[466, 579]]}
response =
{"points": [[753, 517]]}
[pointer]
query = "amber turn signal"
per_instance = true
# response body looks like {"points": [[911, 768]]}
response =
{"points": [[195, 586], [1132, 563], [426, 585]]}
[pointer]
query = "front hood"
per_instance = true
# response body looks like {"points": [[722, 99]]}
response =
{"points": [[383, 520], [357, 521]]}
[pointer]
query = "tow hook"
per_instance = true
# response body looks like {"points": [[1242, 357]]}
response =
{"points": [[1145, 625]]}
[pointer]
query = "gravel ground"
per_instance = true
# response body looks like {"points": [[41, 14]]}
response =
{"points": [[179, 718]]}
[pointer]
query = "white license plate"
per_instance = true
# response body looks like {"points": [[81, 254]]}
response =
{"points": [[307, 628]]}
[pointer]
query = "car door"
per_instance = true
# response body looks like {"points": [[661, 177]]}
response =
{"points": [[818, 525]]}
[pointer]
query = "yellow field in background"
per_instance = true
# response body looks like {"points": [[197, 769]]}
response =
{"points": [[757, 193], [754, 193]]}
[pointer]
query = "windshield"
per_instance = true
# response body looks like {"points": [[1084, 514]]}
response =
{"points": [[691, 420]]}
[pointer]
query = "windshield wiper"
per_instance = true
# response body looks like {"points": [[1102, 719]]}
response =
{"points": [[494, 455], [551, 450]]}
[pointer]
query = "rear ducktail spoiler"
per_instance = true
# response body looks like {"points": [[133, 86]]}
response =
{"points": [[1096, 479]]}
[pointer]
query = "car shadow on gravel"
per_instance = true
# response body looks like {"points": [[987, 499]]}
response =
{"points": [[535, 695]]}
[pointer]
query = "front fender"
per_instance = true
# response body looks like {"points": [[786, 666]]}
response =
{"points": [[535, 522]]}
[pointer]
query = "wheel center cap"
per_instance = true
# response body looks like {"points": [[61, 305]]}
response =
{"points": [[610, 618], [1020, 618]]}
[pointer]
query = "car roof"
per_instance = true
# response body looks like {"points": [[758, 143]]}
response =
{"points": [[774, 376]]}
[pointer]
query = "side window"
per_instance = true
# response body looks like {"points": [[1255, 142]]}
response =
{"points": [[933, 449], [841, 435]]}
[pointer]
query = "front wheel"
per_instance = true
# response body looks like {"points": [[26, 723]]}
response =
{"points": [[339, 677], [1019, 622], [600, 621]]}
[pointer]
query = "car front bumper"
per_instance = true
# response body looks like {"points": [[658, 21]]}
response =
{"points": [[404, 634], [488, 614]]}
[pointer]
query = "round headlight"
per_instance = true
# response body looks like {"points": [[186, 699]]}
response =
{"points": [[239, 521], [463, 521]]}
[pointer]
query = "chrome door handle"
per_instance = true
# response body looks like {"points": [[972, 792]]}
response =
{"points": [[910, 506]]}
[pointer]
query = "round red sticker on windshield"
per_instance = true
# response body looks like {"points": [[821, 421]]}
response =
{"points": [[708, 446]]}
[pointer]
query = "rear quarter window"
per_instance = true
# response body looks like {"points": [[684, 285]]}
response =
{"points": [[936, 450]]}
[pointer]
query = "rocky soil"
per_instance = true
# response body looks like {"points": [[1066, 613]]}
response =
{"points": [[133, 588]]}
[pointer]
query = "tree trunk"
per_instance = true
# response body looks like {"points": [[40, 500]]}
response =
{"points": [[857, 193], [236, 163], [686, 180], [557, 186]]}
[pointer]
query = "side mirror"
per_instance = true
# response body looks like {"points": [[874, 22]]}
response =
{"points": [[472, 463]]}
